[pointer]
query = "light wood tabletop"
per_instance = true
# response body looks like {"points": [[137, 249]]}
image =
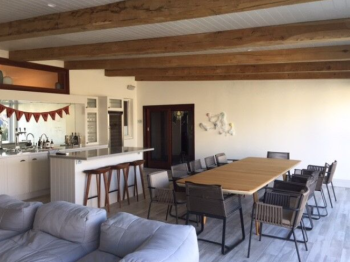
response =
{"points": [[244, 177]]}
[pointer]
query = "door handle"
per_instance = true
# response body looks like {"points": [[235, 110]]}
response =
{"points": [[22, 160], [34, 159]]}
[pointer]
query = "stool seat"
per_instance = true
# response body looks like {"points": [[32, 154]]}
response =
{"points": [[137, 163], [98, 172], [120, 166]]}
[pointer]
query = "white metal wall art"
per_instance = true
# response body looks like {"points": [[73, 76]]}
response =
{"points": [[218, 122]]}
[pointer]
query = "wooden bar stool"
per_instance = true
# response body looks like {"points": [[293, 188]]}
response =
{"points": [[98, 172], [118, 168], [138, 164]]}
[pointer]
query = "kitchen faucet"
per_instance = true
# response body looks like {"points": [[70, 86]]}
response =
{"points": [[33, 144], [17, 134]]}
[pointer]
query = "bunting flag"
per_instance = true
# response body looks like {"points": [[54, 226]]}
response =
{"points": [[28, 115], [19, 114], [9, 112]]}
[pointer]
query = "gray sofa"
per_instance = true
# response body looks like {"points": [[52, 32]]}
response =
{"points": [[64, 232], [128, 238], [16, 217]]}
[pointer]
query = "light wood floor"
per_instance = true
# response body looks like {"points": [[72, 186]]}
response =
{"points": [[329, 241]]}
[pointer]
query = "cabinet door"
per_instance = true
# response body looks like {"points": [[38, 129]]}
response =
{"points": [[18, 175], [3, 177], [92, 127], [40, 174]]}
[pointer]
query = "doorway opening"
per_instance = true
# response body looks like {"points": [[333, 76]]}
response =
{"points": [[170, 131]]}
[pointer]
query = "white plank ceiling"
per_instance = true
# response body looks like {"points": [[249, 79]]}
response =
{"points": [[20, 9]]}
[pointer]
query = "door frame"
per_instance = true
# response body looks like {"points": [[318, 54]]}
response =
{"points": [[175, 107]]}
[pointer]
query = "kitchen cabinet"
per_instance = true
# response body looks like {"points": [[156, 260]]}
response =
{"points": [[40, 173], [25, 176], [18, 175], [92, 121]]}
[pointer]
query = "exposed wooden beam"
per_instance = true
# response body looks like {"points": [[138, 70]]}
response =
{"points": [[273, 76], [331, 53], [130, 13], [339, 66], [332, 30]]}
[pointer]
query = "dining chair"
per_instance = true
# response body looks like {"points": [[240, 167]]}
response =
{"points": [[177, 172], [196, 167], [210, 162], [161, 193], [209, 201], [308, 178], [280, 155], [329, 180], [222, 160], [281, 208], [319, 187]]}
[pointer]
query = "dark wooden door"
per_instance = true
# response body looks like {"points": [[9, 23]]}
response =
{"points": [[115, 129], [170, 131]]}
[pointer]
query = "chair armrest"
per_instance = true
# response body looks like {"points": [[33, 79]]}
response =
{"points": [[171, 243]]}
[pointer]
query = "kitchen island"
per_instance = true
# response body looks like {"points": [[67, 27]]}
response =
{"points": [[68, 180]]}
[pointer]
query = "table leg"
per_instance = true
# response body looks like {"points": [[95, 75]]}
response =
{"points": [[257, 224]]}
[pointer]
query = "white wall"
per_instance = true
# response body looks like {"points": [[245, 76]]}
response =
{"points": [[308, 118]]}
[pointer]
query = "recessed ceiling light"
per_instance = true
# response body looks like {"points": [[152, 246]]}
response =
{"points": [[51, 5]]}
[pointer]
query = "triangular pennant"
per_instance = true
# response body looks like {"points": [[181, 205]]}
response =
{"points": [[60, 112], [19, 114], [52, 114], [45, 116], [2, 108], [9, 111], [36, 116], [66, 110], [28, 116]]}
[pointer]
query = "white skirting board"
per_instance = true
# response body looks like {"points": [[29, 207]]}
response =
{"points": [[341, 183]]}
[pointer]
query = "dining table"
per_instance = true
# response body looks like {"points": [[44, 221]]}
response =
{"points": [[244, 177]]}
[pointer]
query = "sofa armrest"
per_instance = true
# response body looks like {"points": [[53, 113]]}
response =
{"points": [[170, 243]]}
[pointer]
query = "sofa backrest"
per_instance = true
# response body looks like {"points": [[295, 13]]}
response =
{"points": [[71, 222], [15, 215], [125, 233]]}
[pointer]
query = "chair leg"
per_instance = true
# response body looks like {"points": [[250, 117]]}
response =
{"points": [[296, 244], [303, 232], [142, 182], [98, 180], [149, 209], [177, 219], [136, 190], [260, 235], [119, 189], [335, 198], [126, 187], [187, 218], [250, 233], [105, 179], [329, 195], [318, 210], [87, 190], [223, 236], [167, 213]]}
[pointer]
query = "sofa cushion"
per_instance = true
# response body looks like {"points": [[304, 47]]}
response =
{"points": [[71, 222], [138, 239], [169, 243], [16, 216], [39, 246], [100, 256]]}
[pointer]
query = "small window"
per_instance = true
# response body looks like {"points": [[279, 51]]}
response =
{"points": [[128, 118]]}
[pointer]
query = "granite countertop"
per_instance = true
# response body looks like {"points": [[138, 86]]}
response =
{"points": [[32, 150], [100, 153]]}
